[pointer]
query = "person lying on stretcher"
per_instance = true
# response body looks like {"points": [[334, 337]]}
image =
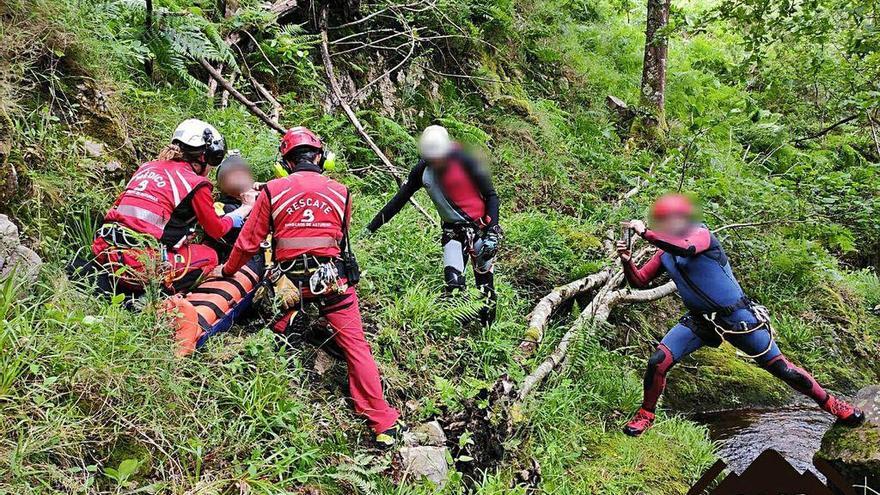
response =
{"points": [[214, 305]]}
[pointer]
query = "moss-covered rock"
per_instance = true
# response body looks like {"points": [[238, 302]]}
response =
{"points": [[855, 452]]}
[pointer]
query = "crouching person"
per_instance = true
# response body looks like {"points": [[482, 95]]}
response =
{"points": [[308, 216], [145, 235]]}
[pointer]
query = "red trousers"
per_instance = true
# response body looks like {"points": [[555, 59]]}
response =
{"points": [[344, 316], [135, 267]]}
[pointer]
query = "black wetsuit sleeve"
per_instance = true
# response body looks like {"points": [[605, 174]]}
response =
{"points": [[484, 185], [406, 191]]}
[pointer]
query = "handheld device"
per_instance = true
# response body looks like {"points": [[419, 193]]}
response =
{"points": [[626, 234]]}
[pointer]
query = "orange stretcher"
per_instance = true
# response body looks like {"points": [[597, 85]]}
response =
{"points": [[211, 308]]}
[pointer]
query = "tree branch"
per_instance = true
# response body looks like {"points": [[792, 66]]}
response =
{"points": [[337, 94], [827, 129], [251, 106]]}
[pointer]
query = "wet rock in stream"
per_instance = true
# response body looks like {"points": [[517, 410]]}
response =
{"points": [[855, 452], [795, 431]]}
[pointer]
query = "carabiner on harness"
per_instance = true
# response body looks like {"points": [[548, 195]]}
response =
{"points": [[324, 279]]}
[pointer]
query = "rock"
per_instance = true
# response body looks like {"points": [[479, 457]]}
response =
{"points": [[93, 148], [323, 362], [855, 452], [427, 462], [14, 256], [113, 166], [430, 433]]}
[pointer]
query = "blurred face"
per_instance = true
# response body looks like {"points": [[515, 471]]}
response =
{"points": [[437, 163], [673, 224], [236, 181]]}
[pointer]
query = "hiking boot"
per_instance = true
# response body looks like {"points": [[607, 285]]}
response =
{"points": [[640, 422], [846, 413], [392, 436]]}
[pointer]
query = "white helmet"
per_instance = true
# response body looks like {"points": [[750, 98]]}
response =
{"points": [[197, 134], [434, 143]]}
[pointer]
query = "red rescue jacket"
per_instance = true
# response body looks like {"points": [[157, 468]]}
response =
{"points": [[165, 199], [305, 212]]}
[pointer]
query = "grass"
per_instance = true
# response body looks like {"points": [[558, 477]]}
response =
{"points": [[93, 402]]}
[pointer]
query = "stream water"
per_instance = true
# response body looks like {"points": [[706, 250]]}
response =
{"points": [[795, 431]]}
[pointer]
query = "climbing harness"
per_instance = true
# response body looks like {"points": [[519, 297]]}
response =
{"points": [[473, 239], [762, 314], [123, 242]]}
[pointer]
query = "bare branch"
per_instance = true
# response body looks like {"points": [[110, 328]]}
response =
{"points": [[827, 129], [337, 94], [412, 48], [251, 106], [276, 105]]}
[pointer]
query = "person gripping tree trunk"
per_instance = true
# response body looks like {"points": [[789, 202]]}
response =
{"points": [[468, 205], [146, 234], [718, 309], [308, 216]]}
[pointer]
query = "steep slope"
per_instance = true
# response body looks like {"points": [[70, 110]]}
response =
{"points": [[92, 400]]}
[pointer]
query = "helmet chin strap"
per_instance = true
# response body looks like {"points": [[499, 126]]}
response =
{"points": [[203, 167]]}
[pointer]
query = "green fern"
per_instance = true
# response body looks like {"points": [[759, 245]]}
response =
{"points": [[360, 473], [177, 39]]}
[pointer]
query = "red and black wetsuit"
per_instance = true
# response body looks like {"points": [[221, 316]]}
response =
{"points": [[462, 193], [164, 200], [698, 265], [306, 212], [468, 205]]}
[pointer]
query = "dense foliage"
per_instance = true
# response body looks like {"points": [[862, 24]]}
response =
{"points": [[92, 401]]}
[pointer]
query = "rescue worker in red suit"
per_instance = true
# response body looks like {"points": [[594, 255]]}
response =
{"points": [[718, 309], [306, 213], [146, 233]]}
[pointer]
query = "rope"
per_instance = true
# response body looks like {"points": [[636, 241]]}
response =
{"points": [[763, 322]]}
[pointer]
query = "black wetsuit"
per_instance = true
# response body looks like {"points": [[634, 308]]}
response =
{"points": [[468, 206]]}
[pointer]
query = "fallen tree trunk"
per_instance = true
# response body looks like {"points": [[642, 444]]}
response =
{"points": [[558, 354], [612, 291], [548, 304], [594, 315]]}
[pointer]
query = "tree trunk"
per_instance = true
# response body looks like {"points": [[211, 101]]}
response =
{"points": [[653, 97]]}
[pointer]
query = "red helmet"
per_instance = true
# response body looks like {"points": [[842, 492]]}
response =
{"points": [[672, 204], [299, 136]]}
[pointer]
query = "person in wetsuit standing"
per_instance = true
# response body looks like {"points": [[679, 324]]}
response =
{"points": [[718, 309], [468, 206]]}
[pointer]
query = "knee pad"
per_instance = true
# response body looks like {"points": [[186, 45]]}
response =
{"points": [[658, 364], [454, 279]]}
